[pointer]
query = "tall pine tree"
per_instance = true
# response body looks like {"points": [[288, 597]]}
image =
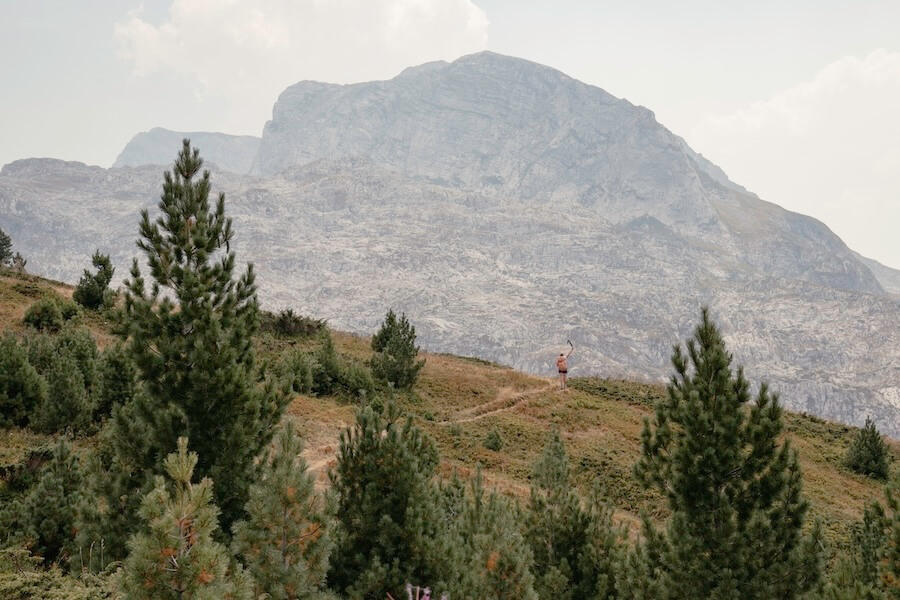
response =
{"points": [[733, 486], [189, 334]]}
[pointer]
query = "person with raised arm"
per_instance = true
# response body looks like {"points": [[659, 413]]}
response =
{"points": [[562, 364]]}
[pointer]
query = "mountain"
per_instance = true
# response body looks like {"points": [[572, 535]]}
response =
{"points": [[888, 278], [233, 153], [506, 207]]}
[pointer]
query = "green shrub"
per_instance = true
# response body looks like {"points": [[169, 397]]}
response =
{"points": [[91, 291], [289, 324], [50, 314], [78, 343], [67, 404], [493, 440], [68, 309], [356, 378], [23, 578], [296, 367], [44, 315], [44, 518], [868, 454], [333, 374], [116, 381], [21, 387]]}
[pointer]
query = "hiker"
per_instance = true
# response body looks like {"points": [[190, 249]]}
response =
{"points": [[563, 365]]}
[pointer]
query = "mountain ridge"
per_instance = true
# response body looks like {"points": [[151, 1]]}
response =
{"points": [[502, 255]]}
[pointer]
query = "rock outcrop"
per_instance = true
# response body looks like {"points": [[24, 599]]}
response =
{"points": [[233, 153]]}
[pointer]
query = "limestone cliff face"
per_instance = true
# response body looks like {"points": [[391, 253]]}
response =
{"points": [[233, 153], [509, 128], [506, 208]]}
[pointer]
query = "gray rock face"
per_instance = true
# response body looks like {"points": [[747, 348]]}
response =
{"points": [[159, 146], [509, 128], [358, 206]]}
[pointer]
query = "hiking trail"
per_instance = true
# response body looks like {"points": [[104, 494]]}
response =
{"points": [[507, 399]]}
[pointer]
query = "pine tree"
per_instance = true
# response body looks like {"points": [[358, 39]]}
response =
{"points": [[18, 263], [868, 454], [396, 351], [496, 559], [5, 249], [45, 518], [190, 337], [733, 487], [116, 381], [21, 388], [857, 576], [92, 287], [577, 551], [285, 541], [389, 520], [177, 557], [67, 403], [116, 483]]}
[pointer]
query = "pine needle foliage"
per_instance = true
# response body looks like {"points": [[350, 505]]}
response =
{"points": [[395, 350], [733, 486], [189, 334], [285, 541], [868, 453], [21, 387], [389, 529], [577, 550], [177, 557], [5, 248], [44, 519], [493, 559], [92, 288]]}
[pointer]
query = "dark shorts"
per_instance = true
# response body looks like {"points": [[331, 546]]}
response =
{"points": [[563, 372]]}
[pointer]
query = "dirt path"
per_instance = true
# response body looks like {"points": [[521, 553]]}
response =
{"points": [[507, 399]]}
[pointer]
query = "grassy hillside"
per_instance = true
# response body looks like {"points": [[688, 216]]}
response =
{"points": [[458, 400]]}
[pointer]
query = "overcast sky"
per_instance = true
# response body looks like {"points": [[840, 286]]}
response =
{"points": [[798, 101]]}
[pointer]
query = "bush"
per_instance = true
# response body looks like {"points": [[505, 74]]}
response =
{"points": [[44, 518], [21, 387], [289, 324], [5, 248], [296, 367], [44, 315], [356, 378], [50, 314], [116, 381], [68, 309], [333, 374], [868, 454], [67, 403], [493, 440], [92, 288]]}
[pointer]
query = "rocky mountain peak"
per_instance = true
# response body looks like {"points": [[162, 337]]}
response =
{"points": [[158, 146]]}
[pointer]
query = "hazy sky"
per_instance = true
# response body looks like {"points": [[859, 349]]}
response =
{"points": [[798, 101]]}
